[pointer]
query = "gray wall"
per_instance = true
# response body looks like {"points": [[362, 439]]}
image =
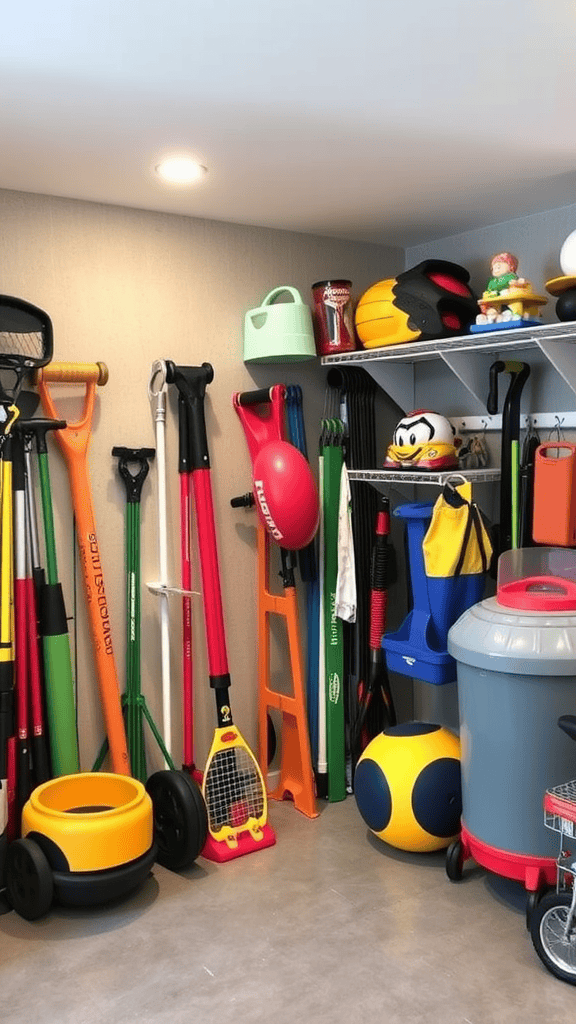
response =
{"points": [[536, 241]]}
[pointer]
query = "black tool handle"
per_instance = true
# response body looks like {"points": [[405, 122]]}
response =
{"points": [[243, 501], [40, 760], [183, 436], [38, 428], [254, 397], [133, 481], [492, 402], [191, 382]]}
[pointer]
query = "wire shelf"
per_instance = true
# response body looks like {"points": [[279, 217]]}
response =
{"points": [[491, 341], [384, 476]]}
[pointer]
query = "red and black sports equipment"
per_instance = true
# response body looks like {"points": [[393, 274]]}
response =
{"points": [[376, 707], [232, 785], [284, 488]]}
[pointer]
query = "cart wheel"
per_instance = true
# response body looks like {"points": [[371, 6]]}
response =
{"points": [[455, 861], [547, 926], [532, 901], [29, 880], [180, 818]]}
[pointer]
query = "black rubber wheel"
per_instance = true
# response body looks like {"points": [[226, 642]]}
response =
{"points": [[455, 861], [180, 818], [29, 881], [532, 901], [547, 930]]}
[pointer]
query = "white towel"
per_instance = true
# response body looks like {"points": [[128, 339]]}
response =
{"points": [[346, 581]]}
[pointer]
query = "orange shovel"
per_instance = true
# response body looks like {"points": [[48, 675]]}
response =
{"points": [[73, 441]]}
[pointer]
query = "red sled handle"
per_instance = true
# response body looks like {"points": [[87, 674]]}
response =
{"points": [[262, 416]]}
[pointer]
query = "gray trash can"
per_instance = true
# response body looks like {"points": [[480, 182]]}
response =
{"points": [[516, 669]]}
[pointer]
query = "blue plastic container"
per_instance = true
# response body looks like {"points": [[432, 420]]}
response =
{"points": [[419, 647]]}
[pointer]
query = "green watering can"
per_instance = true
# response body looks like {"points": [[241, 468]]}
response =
{"points": [[281, 333]]}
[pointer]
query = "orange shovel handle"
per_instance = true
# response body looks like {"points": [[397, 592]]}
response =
{"points": [[73, 441]]}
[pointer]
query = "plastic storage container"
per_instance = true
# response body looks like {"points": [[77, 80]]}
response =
{"points": [[554, 516], [419, 647], [279, 332], [516, 667], [333, 317]]}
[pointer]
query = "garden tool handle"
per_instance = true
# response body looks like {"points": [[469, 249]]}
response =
{"points": [[191, 383], [243, 501], [74, 373], [38, 428], [510, 366], [133, 481], [73, 441]]}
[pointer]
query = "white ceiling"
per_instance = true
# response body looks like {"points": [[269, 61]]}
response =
{"points": [[375, 120]]}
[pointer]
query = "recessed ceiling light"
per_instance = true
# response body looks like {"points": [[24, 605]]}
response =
{"points": [[180, 170]]}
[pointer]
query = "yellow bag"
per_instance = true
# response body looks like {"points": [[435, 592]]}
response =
{"points": [[457, 542]]}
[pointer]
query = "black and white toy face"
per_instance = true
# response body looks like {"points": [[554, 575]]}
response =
{"points": [[413, 432], [421, 428], [424, 440]]}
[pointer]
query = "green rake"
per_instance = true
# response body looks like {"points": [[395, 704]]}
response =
{"points": [[133, 700]]}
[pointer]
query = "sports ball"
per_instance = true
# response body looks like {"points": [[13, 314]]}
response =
{"points": [[286, 495], [568, 255], [378, 319], [566, 305], [408, 789]]}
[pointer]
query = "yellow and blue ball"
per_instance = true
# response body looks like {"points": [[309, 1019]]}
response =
{"points": [[407, 786]]}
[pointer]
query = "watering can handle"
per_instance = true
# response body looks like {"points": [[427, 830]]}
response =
{"points": [[278, 291]]}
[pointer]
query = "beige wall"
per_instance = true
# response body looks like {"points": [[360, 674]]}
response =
{"points": [[127, 287]]}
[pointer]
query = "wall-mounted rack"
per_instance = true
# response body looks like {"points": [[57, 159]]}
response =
{"points": [[400, 476], [468, 357], [538, 420]]}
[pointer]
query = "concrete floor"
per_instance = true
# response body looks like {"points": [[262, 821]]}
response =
{"points": [[329, 925]]}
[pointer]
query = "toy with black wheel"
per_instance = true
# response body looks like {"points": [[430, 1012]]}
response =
{"points": [[180, 818], [86, 839]]}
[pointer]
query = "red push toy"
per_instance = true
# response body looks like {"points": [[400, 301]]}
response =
{"points": [[285, 491]]}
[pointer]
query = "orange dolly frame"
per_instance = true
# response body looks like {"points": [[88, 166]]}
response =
{"points": [[296, 773]]}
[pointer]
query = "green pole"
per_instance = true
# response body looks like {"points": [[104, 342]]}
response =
{"points": [[58, 673], [334, 639]]}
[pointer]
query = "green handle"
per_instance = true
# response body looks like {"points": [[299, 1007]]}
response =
{"points": [[46, 492], [334, 653], [515, 468], [278, 291], [60, 705]]}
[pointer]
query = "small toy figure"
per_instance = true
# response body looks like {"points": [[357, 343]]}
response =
{"points": [[423, 440], [508, 300]]}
